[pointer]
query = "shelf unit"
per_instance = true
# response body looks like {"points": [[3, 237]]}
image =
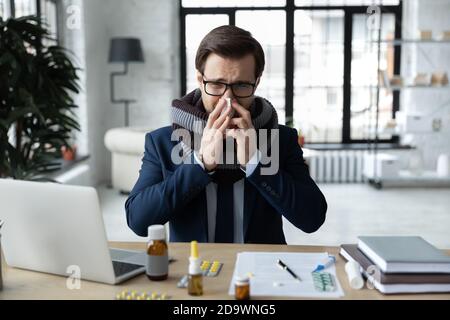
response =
{"points": [[396, 88], [398, 42], [405, 178], [362, 42]]}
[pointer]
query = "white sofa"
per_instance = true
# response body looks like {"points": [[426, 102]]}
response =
{"points": [[127, 148]]}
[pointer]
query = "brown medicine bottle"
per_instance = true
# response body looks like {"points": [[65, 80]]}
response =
{"points": [[242, 288], [157, 268]]}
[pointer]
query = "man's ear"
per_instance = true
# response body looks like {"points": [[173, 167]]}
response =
{"points": [[257, 82], [199, 79]]}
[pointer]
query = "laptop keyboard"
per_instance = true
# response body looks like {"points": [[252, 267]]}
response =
{"points": [[133, 257], [121, 268]]}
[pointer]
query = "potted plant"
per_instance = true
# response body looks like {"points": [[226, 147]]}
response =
{"points": [[37, 83], [69, 153], [301, 138]]}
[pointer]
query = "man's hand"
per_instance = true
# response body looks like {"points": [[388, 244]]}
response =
{"points": [[211, 146], [244, 133]]}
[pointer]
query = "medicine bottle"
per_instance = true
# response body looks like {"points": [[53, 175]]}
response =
{"points": [[242, 288], [195, 275], [157, 254]]}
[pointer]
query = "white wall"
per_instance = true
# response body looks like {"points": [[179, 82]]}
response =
{"points": [[435, 16], [153, 84], [71, 25]]}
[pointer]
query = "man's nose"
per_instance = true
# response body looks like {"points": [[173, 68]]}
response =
{"points": [[228, 93]]}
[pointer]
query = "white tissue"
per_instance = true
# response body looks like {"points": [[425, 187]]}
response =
{"points": [[231, 113], [228, 102], [354, 275]]}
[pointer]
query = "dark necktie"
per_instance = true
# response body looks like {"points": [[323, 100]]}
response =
{"points": [[224, 213]]}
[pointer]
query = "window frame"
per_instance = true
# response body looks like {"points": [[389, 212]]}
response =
{"points": [[290, 8], [12, 5]]}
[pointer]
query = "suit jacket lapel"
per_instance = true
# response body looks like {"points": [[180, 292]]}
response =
{"points": [[201, 228], [203, 215], [249, 202]]}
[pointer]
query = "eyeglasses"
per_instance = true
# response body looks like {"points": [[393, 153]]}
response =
{"points": [[239, 89]]}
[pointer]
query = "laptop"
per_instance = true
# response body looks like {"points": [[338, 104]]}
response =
{"points": [[55, 228]]}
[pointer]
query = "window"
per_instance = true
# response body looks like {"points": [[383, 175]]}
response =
{"points": [[272, 37], [345, 2], [50, 16], [318, 76], [24, 8], [363, 81], [46, 9], [321, 60], [232, 3], [197, 26], [6, 9]]}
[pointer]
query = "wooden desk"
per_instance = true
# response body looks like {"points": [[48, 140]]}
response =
{"points": [[22, 284]]}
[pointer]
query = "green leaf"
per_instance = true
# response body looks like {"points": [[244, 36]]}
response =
{"points": [[15, 115], [6, 58], [41, 104]]}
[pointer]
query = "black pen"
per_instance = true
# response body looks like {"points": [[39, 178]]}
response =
{"points": [[283, 266]]}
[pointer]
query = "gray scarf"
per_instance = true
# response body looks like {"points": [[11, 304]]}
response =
{"points": [[189, 113]]}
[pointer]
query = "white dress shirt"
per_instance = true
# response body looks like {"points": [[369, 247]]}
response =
{"points": [[238, 200]]}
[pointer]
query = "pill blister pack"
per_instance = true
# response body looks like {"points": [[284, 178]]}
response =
{"points": [[211, 269], [183, 283], [323, 281]]}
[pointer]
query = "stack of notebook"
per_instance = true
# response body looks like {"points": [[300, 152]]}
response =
{"points": [[405, 264]]}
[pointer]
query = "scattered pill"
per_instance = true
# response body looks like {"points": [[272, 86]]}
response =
{"points": [[277, 284], [134, 295]]}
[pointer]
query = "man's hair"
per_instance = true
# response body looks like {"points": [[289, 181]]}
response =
{"points": [[230, 42]]}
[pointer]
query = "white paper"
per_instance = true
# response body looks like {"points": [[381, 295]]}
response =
{"points": [[270, 280]]}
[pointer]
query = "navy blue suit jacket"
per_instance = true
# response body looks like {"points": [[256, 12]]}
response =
{"points": [[166, 191]]}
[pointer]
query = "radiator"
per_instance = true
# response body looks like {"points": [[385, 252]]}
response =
{"points": [[345, 166]]}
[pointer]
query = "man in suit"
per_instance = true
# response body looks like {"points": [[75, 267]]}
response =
{"points": [[218, 195]]}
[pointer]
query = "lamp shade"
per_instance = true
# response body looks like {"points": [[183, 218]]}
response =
{"points": [[125, 50]]}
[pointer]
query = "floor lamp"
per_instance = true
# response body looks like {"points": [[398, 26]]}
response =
{"points": [[124, 50]]}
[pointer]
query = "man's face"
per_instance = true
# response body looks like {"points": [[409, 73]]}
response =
{"points": [[228, 71]]}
